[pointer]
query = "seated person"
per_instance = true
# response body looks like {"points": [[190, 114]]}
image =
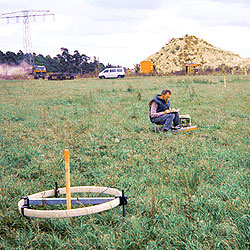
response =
{"points": [[162, 114]]}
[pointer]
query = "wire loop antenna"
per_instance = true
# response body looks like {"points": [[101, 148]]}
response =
{"points": [[42, 198]]}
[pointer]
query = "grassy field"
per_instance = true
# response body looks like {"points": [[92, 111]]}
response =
{"points": [[185, 191]]}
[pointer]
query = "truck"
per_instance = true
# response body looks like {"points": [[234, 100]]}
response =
{"points": [[39, 72], [61, 76]]}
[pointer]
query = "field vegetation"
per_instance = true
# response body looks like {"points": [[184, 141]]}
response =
{"points": [[185, 191]]}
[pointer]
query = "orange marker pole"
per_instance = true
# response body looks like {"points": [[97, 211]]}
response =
{"points": [[67, 178]]}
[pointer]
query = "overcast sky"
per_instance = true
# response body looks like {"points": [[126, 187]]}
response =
{"points": [[126, 32]]}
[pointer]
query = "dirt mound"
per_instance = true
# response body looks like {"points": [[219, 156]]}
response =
{"points": [[245, 63], [190, 49]]}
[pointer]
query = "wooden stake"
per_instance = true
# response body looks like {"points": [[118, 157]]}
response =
{"points": [[225, 82], [44, 117], [67, 178]]}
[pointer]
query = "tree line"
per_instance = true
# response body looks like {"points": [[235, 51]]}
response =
{"points": [[76, 63]]}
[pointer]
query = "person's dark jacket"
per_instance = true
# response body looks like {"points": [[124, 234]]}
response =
{"points": [[161, 104]]}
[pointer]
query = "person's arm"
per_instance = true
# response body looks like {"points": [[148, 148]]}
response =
{"points": [[153, 111]]}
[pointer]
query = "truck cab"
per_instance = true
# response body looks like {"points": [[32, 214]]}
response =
{"points": [[39, 72]]}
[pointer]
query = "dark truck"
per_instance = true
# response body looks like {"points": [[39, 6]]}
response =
{"points": [[61, 76]]}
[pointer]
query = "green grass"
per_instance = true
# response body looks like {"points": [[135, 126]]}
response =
{"points": [[185, 191]]}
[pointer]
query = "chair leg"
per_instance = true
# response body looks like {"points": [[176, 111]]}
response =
{"points": [[157, 128]]}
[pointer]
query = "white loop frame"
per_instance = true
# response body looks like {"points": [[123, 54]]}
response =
{"points": [[72, 212]]}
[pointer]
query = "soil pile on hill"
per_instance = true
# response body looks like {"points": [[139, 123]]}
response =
{"points": [[190, 49], [245, 63]]}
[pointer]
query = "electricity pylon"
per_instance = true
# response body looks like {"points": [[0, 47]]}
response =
{"points": [[27, 16]]}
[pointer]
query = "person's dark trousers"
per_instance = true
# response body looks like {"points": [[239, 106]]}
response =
{"points": [[167, 120]]}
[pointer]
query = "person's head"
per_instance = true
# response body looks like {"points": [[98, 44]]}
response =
{"points": [[166, 94]]}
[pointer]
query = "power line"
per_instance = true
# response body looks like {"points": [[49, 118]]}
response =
{"points": [[27, 16]]}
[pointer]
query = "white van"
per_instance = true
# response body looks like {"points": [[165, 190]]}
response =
{"points": [[112, 73]]}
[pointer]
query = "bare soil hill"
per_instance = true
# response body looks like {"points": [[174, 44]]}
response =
{"points": [[190, 49], [245, 63]]}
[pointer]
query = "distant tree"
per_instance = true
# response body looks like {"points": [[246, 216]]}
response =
{"points": [[20, 56], [137, 68], [68, 60], [100, 66], [11, 58], [79, 61], [64, 62], [2, 57], [53, 64]]}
